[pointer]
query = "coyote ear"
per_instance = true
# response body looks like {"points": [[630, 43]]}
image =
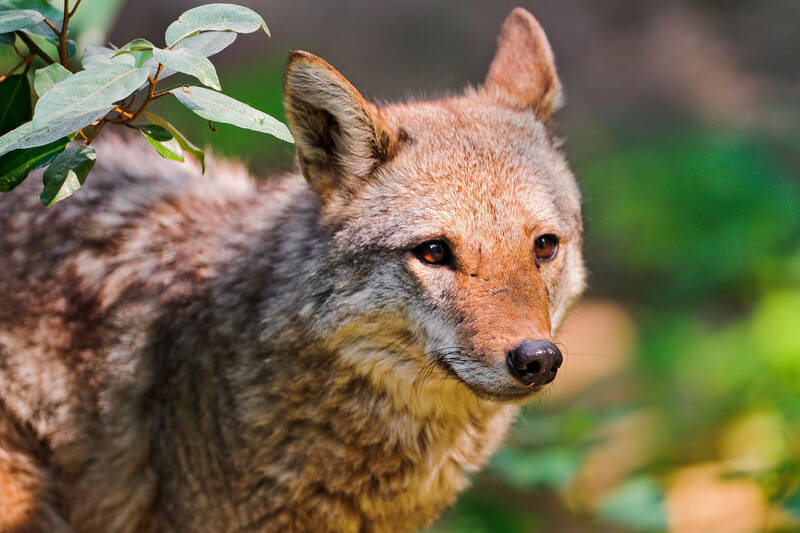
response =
{"points": [[523, 72], [340, 137]]}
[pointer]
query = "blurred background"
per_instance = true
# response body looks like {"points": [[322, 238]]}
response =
{"points": [[679, 404]]}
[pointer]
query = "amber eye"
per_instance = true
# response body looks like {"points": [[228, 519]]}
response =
{"points": [[545, 247], [433, 253]]}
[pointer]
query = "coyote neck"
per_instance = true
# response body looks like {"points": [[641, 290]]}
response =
{"points": [[313, 427]]}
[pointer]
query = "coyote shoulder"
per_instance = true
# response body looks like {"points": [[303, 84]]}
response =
{"points": [[330, 350]]}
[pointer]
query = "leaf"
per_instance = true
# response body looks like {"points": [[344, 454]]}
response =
{"points": [[216, 106], [87, 90], [135, 45], [637, 504], [214, 17], [101, 57], [792, 503], [208, 43], [140, 49], [41, 32], [45, 78], [15, 95], [17, 164], [26, 135], [67, 174], [189, 62], [162, 140], [183, 141], [18, 19], [42, 6], [7, 38], [552, 467]]}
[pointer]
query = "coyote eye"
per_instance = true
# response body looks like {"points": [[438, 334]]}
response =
{"points": [[545, 247], [433, 253]]}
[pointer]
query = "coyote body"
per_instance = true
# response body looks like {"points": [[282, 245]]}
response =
{"points": [[203, 353]]}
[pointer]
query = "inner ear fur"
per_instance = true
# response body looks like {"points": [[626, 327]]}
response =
{"points": [[523, 74], [341, 138]]}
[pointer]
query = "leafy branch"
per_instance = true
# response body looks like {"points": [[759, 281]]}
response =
{"points": [[115, 86]]}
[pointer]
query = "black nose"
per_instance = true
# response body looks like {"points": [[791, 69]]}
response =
{"points": [[534, 362]]}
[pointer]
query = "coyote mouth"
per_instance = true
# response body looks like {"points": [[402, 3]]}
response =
{"points": [[516, 394], [519, 395]]}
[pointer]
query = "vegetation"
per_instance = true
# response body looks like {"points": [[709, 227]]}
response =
{"points": [[115, 86]]}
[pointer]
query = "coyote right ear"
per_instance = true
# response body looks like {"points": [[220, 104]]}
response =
{"points": [[340, 137], [523, 71]]}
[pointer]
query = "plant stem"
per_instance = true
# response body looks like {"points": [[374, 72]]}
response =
{"points": [[150, 91], [62, 38], [25, 61], [52, 27], [100, 126], [74, 8], [124, 113], [32, 46]]}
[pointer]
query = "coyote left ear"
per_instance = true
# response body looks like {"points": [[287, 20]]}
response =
{"points": [[523, 72], [340, 137]]}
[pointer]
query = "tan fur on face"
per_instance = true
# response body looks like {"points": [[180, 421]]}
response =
{"points": [[187, 352]]}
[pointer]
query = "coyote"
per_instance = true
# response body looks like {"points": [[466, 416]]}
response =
{"points": [[329, 350]]}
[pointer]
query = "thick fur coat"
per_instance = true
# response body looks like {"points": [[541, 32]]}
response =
{"points": [[203, 353]]}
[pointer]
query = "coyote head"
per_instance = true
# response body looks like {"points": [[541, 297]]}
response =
{"points": [[456, 221]]}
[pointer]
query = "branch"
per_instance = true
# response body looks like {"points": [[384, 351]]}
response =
{"points": [[32, 46], [74, 8], [96, 131], [25, 61], [52, 27], [62, 38], [150, 91]]}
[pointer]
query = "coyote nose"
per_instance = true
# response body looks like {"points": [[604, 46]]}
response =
{"points": [[534, 362]]}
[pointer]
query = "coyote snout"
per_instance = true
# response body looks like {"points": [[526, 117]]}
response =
{"points": [[534, 362]]}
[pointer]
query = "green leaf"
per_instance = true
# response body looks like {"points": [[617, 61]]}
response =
{"points": [[552, 467], [17, 164], [184, 143], [67, 174], [15, 95], [87, 90], [162, 140], [208, 43], [42, 6], [26, 135], [140, 49], [637, 504], [100, 57], [189, 62], [7, 38], [792, 503], [214, 17], [135, 45], [19, 19], [216, 106], [45, 78]]}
